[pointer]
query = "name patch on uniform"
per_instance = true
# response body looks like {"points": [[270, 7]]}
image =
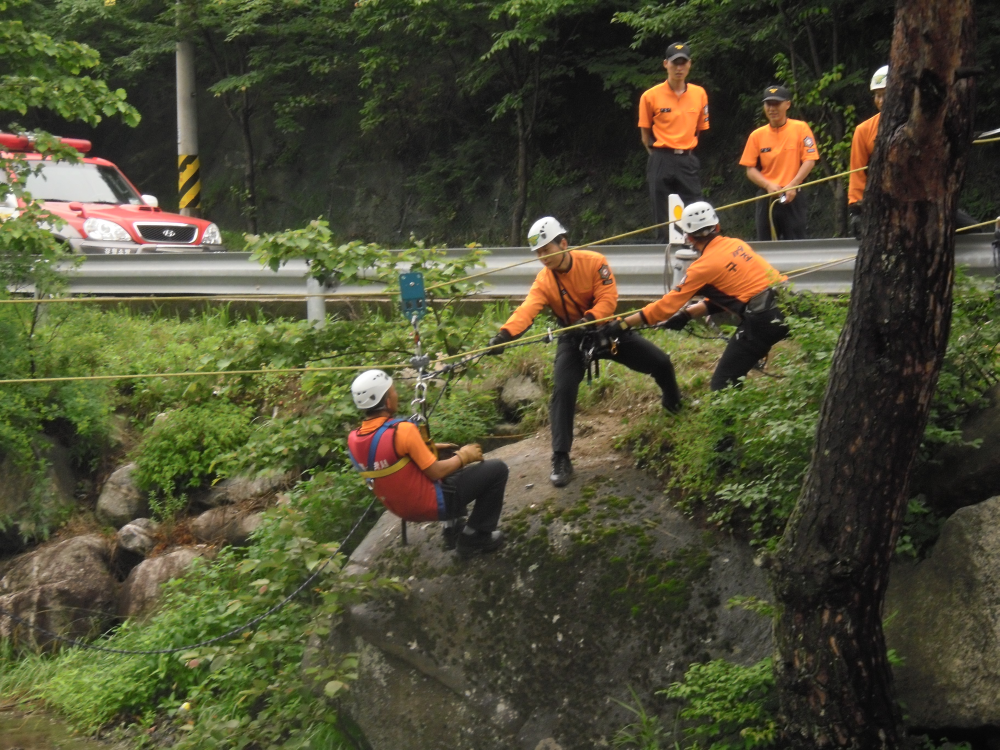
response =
{"points": [[765, 150], [605, 273], [664, 109]]}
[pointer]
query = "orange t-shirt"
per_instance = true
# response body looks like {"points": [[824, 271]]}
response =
{"points": [[728, 273], [674, 120], [408, 441], [779, 152], [862, 146], [586, 290]]}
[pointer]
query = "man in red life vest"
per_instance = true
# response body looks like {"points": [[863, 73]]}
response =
{"points": [[412, 483], [730, 276]]}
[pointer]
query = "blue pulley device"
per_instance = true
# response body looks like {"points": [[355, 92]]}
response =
{"points": [[411, 293]]}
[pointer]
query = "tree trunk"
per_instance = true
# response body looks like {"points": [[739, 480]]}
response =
{"points": [[521, 201], [250, 167], [831, 568]]}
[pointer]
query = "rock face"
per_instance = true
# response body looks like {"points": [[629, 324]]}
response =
{"points": [[225, 525], [121, 500], [245, 489], [518, 392], [964, 474], [65, 588], [600, 587], [25, 503], [945, 627], [141, 590]]}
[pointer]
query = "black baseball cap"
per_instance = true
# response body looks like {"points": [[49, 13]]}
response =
{"points": [[677, 49], [777, 93]]}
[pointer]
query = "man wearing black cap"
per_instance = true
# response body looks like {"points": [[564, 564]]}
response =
{"points": [[671, 115], [777, 156]]}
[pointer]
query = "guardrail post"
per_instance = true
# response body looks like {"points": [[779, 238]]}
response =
{"points": [[683, 257], [315, 302]]}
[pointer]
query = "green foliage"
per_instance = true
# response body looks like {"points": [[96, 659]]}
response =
{"points": [[731, 706], [180, 453], [248, 691], [644, 733], [741, 454]]}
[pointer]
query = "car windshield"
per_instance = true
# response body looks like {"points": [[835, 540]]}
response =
{"points": [[84, 183]]}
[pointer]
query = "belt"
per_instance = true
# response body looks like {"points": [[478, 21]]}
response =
{"points": [[674, 150]]}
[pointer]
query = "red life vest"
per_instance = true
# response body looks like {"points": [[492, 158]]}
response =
{"points": [[398, 483]]}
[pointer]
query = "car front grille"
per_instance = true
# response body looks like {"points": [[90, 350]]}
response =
{"points": [[173, 233]]}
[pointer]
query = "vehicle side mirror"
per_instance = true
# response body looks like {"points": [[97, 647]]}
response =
{"points": [[150, 200]]}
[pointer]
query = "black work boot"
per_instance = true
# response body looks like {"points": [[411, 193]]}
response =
{"points": [[479, 542], [562, 469], [671, 404]]}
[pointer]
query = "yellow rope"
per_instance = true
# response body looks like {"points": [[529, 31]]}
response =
{"points": [[986, 140], [979, 225]]}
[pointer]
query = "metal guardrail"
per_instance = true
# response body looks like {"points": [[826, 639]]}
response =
{"points": [[639, 270]]}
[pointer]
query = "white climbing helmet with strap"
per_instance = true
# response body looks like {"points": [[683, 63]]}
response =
{"points": [[543, 231], [879, 78], [369, 387], [696, 216]]}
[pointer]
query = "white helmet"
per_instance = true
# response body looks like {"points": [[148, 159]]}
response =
{"points": [[878, 80], [543, 231], [698, 215], [369, 387]]}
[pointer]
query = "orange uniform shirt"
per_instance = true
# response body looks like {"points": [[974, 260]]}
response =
{"points": [[728, 273], [862, 146], [408, 441], [586, 290], [674, 120], [779, 152]]}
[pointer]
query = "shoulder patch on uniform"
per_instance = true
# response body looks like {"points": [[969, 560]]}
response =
{"points": [[604, 272], [809, 142]]}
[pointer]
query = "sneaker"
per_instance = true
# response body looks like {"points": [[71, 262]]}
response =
{"points": [[562, 469], [479, 543], [450, 533]]}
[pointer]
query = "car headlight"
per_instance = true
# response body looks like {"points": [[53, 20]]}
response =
{"points": [[102, 229], [212, 236]]}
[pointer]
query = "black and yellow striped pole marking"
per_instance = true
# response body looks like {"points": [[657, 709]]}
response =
{"points": [[189, 181]]}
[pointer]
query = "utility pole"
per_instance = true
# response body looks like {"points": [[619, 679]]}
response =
{"points": [[188, 166]]}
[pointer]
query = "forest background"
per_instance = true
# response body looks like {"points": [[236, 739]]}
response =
{"points": [[459, 122]]}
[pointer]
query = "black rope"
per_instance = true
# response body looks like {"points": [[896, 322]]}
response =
{"points": [[229, 634]]}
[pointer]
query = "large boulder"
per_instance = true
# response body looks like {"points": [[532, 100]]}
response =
{"points": [[143, 588], [225, 525], [517, 393], [601, 587], [121, 499], [30, 504], [133, 543], [65, 588], [942, 615], [242, 490]]}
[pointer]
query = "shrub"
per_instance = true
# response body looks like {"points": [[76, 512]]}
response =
{"points": [[180, 453]]}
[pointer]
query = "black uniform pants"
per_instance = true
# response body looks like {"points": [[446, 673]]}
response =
{"points": [[752, 341], [483, 482], [790, 219], [666, 173], [633, 351]]}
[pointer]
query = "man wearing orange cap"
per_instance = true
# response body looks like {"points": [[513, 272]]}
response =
{"points": [[671, 115]]}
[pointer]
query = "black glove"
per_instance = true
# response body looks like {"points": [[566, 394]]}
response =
{"points": [[501, 338], [581, 322], [677, 321], [615, 328]]}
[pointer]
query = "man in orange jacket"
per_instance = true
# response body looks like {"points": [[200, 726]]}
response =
{"points": [[862, 146], [578, 286], [731, 276]]}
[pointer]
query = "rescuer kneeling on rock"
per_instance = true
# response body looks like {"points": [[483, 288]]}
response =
{"points": [[579, 287], [731, 276], [412, 483]]}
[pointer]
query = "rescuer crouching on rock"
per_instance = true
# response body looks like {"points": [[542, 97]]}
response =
{"points": [[579, 287], [731, 276], [409, 480]]}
